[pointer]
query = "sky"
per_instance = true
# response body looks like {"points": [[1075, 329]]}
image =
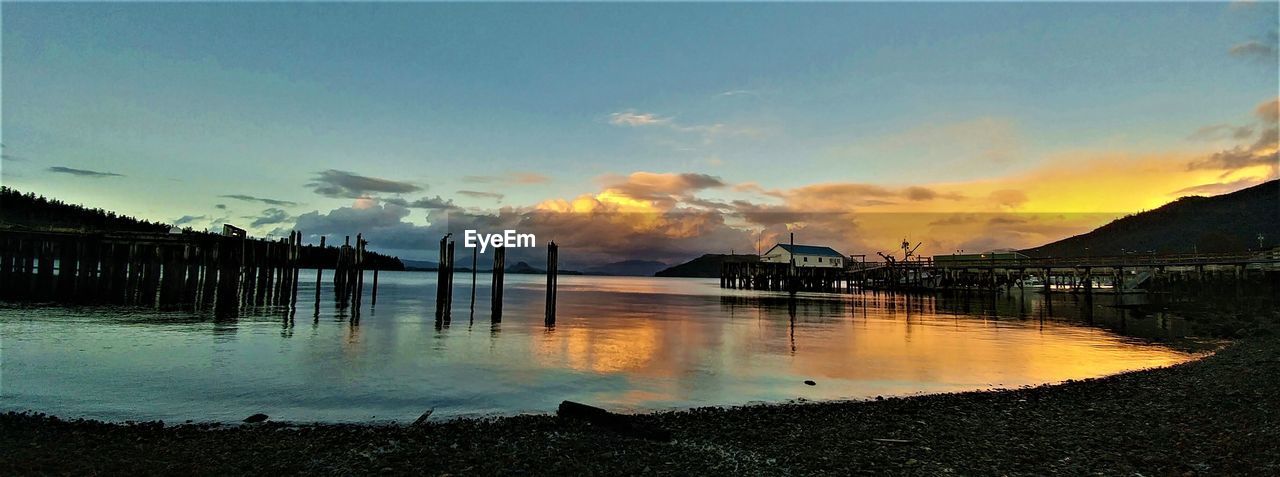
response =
{"points": [[640, 131]]}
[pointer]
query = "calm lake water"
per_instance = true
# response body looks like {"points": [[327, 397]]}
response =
{"points": [[625, 343]]}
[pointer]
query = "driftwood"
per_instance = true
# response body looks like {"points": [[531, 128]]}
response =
{"points": [[424, 418], [619, 423]]}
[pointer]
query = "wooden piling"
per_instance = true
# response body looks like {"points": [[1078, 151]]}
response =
{"points": [[296, 258], [448, 297], [475, 258], [553, 265], [359, 271], [499, 267], [319, 278], [342, 274], [442, 278]]}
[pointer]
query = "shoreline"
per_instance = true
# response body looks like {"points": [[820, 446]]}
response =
{"points": [[1213, 415]]}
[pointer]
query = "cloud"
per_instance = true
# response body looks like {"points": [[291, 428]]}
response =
{"points": [[1217, 188], [772, 214], [482, 195], [749, 187], [10, 157], [631, 118], [1262, 152], [917, 193], [1269, 112], [739, 92], [650, 190], [645, 184], [268, 217], [1264, 50], [249, 198], [510, 178], [1221, 131], [344, 184], [846, 195], [1009, 198], [187, 219], [82, 172], [1254, 50], [430, 203], [706, 134], [381, 223]]}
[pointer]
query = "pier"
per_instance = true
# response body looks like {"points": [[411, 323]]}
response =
{"points": [[1136, 273], [223, 272]]}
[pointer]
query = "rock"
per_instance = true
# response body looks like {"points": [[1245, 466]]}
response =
{"points": [[256, 418], [810, 382]]}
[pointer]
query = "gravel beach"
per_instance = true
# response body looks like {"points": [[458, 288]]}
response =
{"points": [[1219, 415]]}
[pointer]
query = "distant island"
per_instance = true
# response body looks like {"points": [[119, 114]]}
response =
{"points": [[706, 266], [634, 268], [518, 268]]}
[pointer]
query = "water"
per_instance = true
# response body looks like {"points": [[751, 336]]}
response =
{"points": [[626, 343]]}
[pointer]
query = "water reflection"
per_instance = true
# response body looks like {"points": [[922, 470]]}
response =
{"points": [[626, 343]]}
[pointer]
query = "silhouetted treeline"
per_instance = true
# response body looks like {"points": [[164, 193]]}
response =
{"points": [[30, 211], [1218, 224], [315, 257]]}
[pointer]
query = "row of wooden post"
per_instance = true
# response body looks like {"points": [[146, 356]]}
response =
{"points": [[225, 272], [445, 275], [221, 271], [348, 275]]}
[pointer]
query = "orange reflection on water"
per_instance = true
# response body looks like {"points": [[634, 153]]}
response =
{"points": [[855, 348], [628, 349]]}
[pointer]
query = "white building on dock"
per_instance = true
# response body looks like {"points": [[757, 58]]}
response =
{"points": [[813, 256]]}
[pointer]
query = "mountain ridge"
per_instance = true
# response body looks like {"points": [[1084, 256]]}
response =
{"points": [[1228, 222]]}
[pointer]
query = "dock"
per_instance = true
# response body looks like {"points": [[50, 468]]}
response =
{"points": [[1137, 273]]}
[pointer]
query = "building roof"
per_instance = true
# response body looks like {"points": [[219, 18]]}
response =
{"points": [[809, 250]]}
